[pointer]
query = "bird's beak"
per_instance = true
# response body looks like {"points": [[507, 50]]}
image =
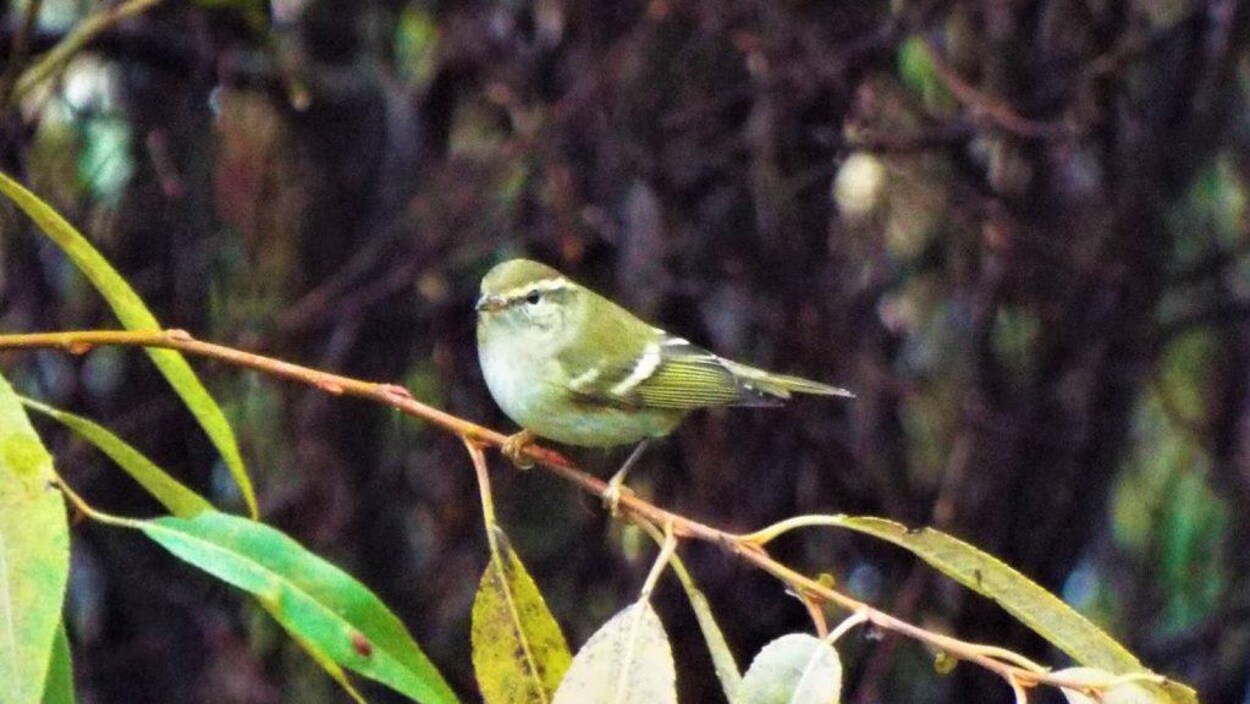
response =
{"points": [[489, 303]]}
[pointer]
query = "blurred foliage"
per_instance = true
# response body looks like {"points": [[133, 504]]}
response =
{"points": [[1018, 231]]}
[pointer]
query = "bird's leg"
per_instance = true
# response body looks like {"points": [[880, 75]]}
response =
{"points": [[514, 448], [616, 485]]}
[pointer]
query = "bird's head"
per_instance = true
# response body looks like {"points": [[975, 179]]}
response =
{"points": [[521, 295]]}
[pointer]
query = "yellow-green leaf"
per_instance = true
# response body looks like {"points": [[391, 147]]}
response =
{"points": [[172, 494], [1124, 693], [59, 689], [134, 315], [723, 661], [722, 658], [519, 653], [34, 556], [794, 669], [627, 661], [1033, 606]]}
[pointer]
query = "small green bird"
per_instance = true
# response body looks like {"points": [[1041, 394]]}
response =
{"points": [[567, 364]]}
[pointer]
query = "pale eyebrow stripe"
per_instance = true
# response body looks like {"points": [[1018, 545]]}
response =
{"points": [[546, 285]]}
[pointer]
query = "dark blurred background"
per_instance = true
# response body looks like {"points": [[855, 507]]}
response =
{"points": [[1018, 230]]}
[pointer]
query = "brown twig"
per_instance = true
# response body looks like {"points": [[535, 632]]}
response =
{"points": [[631, 507], [993, 109]]}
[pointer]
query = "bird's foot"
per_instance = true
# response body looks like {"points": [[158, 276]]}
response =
{"points": [[514, 449], [616, 485], [613, 493]]}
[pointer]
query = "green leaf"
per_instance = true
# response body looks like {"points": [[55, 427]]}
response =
{"points": [[794, 669], [519, 653], [723, 661], [319, 656], [917, 71], [627, 661], [172, 494], [34, 555], [134, 315], [59, 689], [722, 658], [310, 597], [1033, 606]]}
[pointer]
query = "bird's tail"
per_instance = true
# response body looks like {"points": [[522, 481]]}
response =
{"points": [[782, 385]]}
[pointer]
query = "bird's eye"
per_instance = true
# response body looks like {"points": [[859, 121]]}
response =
{"points": [[533, 298]]}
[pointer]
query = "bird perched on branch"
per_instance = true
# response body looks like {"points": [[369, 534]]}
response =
{"points": [[567, 364]]}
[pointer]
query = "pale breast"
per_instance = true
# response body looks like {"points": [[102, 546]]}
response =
{"points": [[529, 386]]}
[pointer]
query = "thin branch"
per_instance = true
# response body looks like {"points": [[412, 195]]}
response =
{"points": [[667, 547], [488, 500], [1022, 697], [815, 611], [996, 111], [74, 42], [850, 622], [746, 548]]}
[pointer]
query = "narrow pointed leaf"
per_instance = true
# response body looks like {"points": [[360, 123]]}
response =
{"points": [[794, 669], [319, 656], [34, 555], [722, 658], [723, 661], [59, 689], [1032, 605], [519, 653], [134, 315], [309, 596], [627, 661], [173, 494], [1126, 693]]}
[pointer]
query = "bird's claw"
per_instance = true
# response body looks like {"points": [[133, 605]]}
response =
{"points": [[612, 494], [514, 449]]}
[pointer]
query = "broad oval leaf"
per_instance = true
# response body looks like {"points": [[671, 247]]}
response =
{"points": [[1032, 605], [1126, 693], [519, 653], [794, 669], [173, 494], [134, 315], [59, 688], [626, 661], [34, 555], [310, 597]]}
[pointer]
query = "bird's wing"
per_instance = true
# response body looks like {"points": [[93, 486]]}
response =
{"points": [[665, 372], [690, 377]]}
